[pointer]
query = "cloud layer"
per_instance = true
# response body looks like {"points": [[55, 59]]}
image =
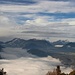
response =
{"points": [[54, 17], [18, 62]]}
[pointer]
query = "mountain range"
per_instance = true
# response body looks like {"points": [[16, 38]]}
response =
{"points": [[44, 48]]}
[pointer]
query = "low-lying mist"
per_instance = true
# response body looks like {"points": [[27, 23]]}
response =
{"points": [[19, 62]]}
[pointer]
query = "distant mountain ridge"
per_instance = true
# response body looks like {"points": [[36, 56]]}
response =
{"points": [[60, 42], [36, 43], [70, 45], [43, 48], [16, 42], [28, 44]]}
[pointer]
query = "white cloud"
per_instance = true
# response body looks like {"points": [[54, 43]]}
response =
{"points": [[43, 6], [4, 21], [29, 66], [37, 22], [11, 15], [6, 25], [14, 53], [70, 21], [9, 27]]}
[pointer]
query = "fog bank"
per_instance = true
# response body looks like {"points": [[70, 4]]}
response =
{"points": [[18, 62]]}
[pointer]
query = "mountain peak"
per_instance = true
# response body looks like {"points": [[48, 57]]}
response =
{"points": [[60, 42], [31, 43]]}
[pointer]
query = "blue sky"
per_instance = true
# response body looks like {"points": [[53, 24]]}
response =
{"points": [[47, 19]]}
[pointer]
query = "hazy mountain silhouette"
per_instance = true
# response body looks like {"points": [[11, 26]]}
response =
{"points": [[29, 44], [43, 48], [60, 42], [70, 45]]}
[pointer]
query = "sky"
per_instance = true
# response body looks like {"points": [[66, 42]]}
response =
{"points": [[41, 19]]}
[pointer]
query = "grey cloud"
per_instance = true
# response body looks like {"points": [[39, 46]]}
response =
{"points": [[45, 34], [14, 53]]}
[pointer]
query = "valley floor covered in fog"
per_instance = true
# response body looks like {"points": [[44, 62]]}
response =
{"points": [[16, 63]]}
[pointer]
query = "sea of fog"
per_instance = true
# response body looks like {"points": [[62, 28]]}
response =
{"points": [[18, 62]]}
